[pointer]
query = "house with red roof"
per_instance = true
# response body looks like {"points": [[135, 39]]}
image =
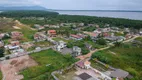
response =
{"points": [[76, 37], [52, 33]]}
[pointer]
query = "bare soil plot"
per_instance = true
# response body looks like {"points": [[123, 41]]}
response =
{"points": [[10, 68]]}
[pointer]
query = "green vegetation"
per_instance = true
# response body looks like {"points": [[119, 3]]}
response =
{"points": [[48, 61], [43, 44], [101, 41], [139, 39], [98, 66], [6, 25], [61, 39], [89, 29], [54, 18], [80, 44], [125, 57], [0, 75], [2, 52], [23, 13]]}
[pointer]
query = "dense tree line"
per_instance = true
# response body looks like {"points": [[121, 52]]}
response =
{"points": [[21, 14], [54, 18]]}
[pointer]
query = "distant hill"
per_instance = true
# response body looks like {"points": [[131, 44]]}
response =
{"points": [[10, 8]]}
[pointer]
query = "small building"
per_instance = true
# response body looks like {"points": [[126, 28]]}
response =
{"points": [[1, 44], [39, 27], [15, 35], [54, 26], [87, 64], [60, 45], [52, 33], [10, 47], [15, 43], [88, 46], [2, 35], [76, 51], [80, 64], [76, 37], [40, 37], [119, 74]]}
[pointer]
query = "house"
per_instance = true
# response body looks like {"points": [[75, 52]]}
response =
{"points": [[127, 30], [87, 64], [18, 52], [80, 64], [94, 36], [128, 36], [140, 31], [15, 35], [1, 44], [15, 43], [81, 24], [118, 73], [54, 26], [98, 31], [39, 27], [76, 37], [88, 46], [10, 47], [60, 45], [40, 37], [2, 35], [52, 33], [105, 34], [76, 51]]}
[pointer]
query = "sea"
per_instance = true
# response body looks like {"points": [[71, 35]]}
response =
{"points": [[134, 15]]}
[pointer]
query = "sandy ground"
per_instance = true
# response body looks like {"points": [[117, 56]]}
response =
{"points": [[10, 68]]}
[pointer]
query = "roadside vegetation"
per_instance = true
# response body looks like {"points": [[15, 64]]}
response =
{"points": [[0, 75], [124, 57], [48, 61]]}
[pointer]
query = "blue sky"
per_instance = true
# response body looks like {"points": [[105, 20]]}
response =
{"points": [[79, 4]]}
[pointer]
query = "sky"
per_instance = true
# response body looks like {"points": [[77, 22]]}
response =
{"points": [[78, 4]]}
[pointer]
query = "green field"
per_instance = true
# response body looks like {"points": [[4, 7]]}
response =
{"points": [[129, 59], [53, 59]]}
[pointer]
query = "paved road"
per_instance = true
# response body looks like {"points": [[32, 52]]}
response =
{"points": [[26, 53]]}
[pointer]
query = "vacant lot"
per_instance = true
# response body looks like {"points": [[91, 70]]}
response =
{"points": [[48, 61], [129, 59], [10, 68], [43, 44]]}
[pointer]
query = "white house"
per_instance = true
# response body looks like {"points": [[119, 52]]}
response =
{"points": [[87, 64], [60, 45], [76, 51]]}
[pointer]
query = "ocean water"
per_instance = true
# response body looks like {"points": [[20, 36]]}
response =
{"points": [[117, 14]]}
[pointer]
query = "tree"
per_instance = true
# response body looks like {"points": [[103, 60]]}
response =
{"points": [[85, 51], [101, 41], [118, 44], [1, 52]]}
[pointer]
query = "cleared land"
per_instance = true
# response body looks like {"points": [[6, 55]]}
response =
{"points": [[48, 61], [10, 68]]}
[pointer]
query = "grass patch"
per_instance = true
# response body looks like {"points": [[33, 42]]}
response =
{"points": [[43, 44], [61, 39], [139, 39], [43, 72], [98, 66], [129, 59]]}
